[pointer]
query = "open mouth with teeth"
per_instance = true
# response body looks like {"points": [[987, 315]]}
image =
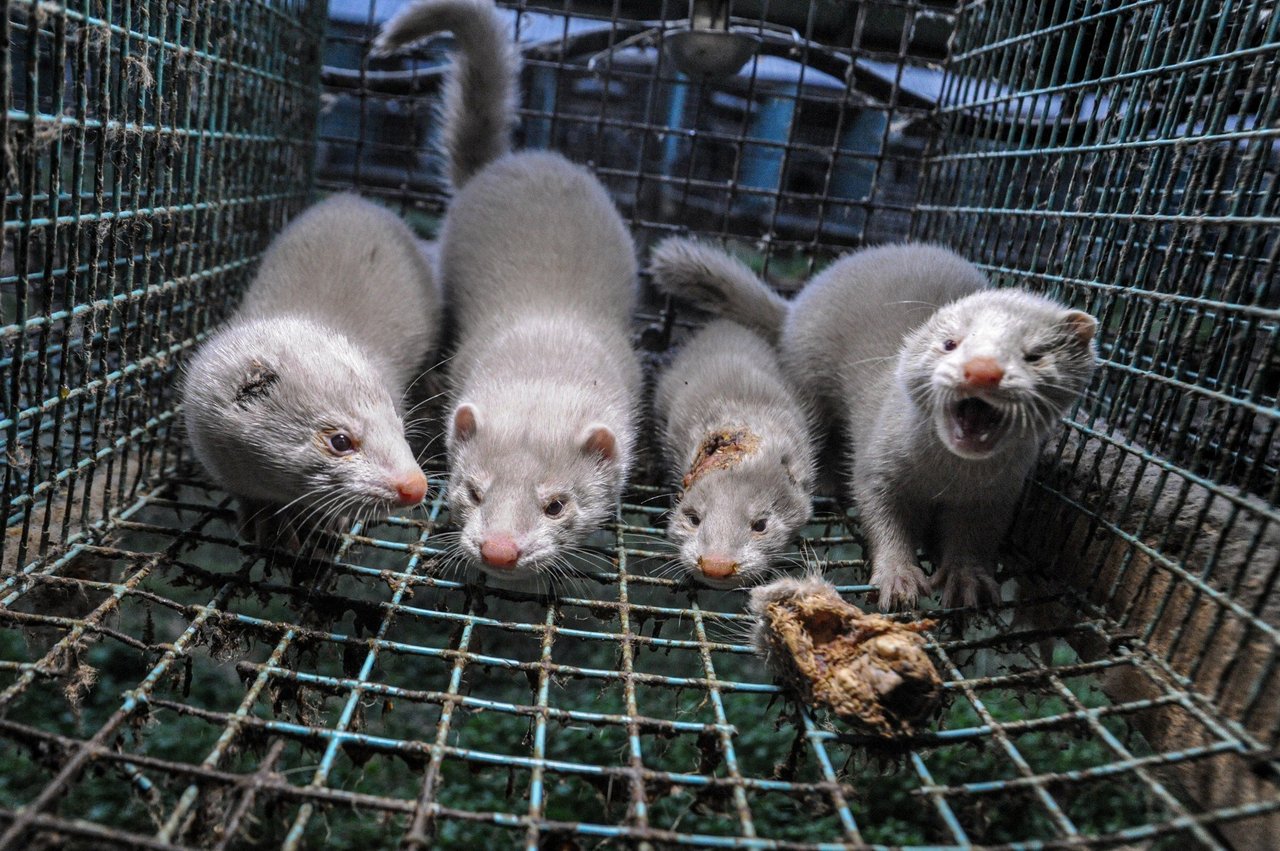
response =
{"points": [[974, 427]]}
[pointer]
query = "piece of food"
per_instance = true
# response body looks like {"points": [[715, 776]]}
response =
{"points": [[870, 671]]}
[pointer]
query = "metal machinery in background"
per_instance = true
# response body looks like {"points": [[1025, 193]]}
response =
{"points": [[163, 684]]}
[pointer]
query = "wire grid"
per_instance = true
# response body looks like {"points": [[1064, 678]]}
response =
{"points": [[812, 148], [168, 686], [380, 700], [150, 151], [1126, 160]]}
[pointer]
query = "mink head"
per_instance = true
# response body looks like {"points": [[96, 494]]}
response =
{"points": [[288, 412], [995, 365], [730, 524], [523, 492]]}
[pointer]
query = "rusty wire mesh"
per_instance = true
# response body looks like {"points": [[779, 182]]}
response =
{"points": [[166, 685]]}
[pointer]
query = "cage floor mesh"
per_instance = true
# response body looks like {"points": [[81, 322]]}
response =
{"points": [[159, 697]]}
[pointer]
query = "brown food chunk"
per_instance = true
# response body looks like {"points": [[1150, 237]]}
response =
{"points": [[870, 671]]}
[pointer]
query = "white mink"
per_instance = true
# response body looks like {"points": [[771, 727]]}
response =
{"points": [[945, 388], [540, 273], [733, 517], [294, 405]]}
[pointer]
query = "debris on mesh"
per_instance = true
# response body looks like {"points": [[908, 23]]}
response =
{"points": [[872, 672], [721, 450]]}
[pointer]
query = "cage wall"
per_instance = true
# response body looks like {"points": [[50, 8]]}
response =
{"points": [[1126, 160], [814, 146], [151, 149], [166, 685]]}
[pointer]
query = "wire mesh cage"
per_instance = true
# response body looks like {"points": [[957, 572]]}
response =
{"points": [[165, 684]]}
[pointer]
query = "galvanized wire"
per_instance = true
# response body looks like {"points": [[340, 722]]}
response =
{"points": [[1135, 151], [146, 162], [380, 693], [164, 684]]}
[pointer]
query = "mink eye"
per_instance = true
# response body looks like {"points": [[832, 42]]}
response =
{"points": [[759, 525], [692, 517], [340, 443], [554, 508], [474, 493], [949, 345]]}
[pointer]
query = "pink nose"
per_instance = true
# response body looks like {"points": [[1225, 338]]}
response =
{"points": [[500, 551], [983, 372], [717, 568], [411, 489]]}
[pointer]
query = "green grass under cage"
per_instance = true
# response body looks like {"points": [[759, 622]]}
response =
{"points": [[882, 787], [882, 790]]}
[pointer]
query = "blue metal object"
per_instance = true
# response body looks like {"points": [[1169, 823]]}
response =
{"points": [[677, 96], [542, 100], [854, 177], [761, 165]]}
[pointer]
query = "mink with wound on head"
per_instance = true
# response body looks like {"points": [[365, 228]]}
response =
{"points": [[540, 273], [738, 442], [946, 389], [294, 405]]}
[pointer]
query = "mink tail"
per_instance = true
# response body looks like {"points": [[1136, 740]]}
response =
{"points": [[481, 88], [719, 283]]}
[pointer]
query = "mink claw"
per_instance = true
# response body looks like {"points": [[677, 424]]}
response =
{"points": [[899, 587], [966, 587]]}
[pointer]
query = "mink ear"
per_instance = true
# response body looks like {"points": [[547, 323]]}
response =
{"points": [[599, 440], [465, 422], [1080, 325], [256, 383], [789, 467]]}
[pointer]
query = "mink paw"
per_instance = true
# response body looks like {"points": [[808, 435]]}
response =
{"points": [[288, 529], [900, 586], [276, 533], [261, 523], [966, 586]]}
